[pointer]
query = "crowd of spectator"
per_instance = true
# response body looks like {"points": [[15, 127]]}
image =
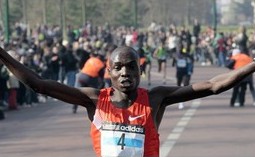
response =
{"points": [[59, 58]]}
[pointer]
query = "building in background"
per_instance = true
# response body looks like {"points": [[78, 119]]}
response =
{"points": [[234, 12]]}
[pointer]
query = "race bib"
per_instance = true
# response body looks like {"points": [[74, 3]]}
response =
{"points": [[120, 140], [181, 63]]}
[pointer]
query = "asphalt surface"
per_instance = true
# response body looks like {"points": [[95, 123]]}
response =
{"points": [[206, 127]]}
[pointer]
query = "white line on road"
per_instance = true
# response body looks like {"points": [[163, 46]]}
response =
{"points": [[172, 138]]}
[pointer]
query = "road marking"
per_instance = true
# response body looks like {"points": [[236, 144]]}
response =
{"points": [[172, 138]]}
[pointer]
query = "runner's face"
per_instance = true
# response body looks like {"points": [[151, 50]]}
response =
{"points": [[125, 70]]}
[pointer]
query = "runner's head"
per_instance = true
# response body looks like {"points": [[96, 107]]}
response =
{"points": [[125, 69]]}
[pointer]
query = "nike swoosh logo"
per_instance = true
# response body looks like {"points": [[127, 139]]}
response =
{"points": [[130, 118]]}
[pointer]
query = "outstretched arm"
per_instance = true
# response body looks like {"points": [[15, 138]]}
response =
{"points": [[162, 96], [47, 87], [216, 85], [222, 82]]}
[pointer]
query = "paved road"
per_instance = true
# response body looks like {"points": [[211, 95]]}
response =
{"points": [[206, 127]]}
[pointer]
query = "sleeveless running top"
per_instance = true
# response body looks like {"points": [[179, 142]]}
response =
{"points": [[128, 132], [161, 53], [241, 60], [142, 60], [92, 67]]}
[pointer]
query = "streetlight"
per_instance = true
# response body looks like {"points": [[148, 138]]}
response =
{"points": [[44, 12], [135, 11], [84, 11], [253, 5], [214, 15], [62, 18], [6, 21]]}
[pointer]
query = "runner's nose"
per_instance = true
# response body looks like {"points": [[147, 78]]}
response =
{"points": [[124, 71]]}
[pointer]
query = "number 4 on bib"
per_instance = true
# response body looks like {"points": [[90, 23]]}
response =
{"points": [[121, 141]]}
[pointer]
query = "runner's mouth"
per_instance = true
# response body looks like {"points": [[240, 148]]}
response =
{"points": [[125, 80], [126, 83]]}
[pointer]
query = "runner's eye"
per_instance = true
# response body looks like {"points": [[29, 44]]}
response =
{"points": [[117, 67]]}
